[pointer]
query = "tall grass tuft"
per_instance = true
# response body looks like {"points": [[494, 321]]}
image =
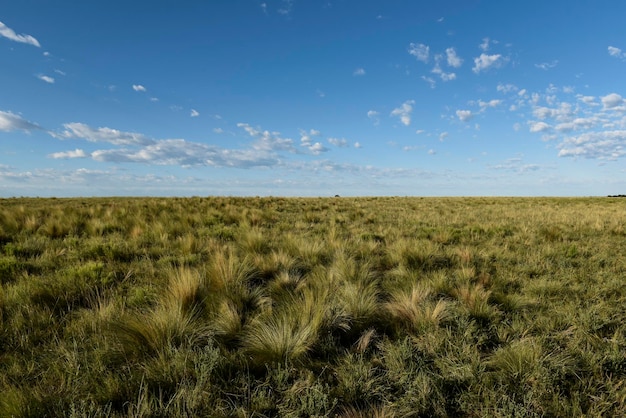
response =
{"points": [[288, 332]]}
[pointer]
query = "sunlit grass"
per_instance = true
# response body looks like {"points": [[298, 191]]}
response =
{"points": [[312, 307]]}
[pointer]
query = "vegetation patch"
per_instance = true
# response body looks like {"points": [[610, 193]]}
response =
{"points": [[353, 307]]}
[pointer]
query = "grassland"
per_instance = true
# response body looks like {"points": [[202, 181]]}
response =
{"points": [[262, 307]]}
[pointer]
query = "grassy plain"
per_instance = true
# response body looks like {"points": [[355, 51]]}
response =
{"points": [[354, 307]]}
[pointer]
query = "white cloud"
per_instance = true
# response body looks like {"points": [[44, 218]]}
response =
{"points": [[306, 137], [443, 136], [338, 142], [46, 78], [515, 165], [194, 113], [77, 153], [616, 52], [287, 8], [607, 145], [484, 45], [11, 122], [577, 124], [538, 126], [484, 62], [218, 130], [374, 116], [430, 81], [9, 33], [358, 145], [139, 87], [464, 115], [432, 152], [589, 100], [612, 100], [359, 71], [59, 72], [404, 112], [419, 51], [112, 136], [491, 103], [507, 88], [442, 74], [317, 148], [266, 140], [547, 65], [453, 59]]}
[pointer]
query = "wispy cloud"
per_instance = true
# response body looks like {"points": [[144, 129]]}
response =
{"points": [[47, 79], [194, 113], [616, 52], [464, 115], [547, 65], [11, 122], [286, 8], [484, 45], [453, 59], [77, 153], [338, 142], [404, 112], [419, 51], [359, 71], [374, 116], [9, 33], [485, 62], [112, 136], [139, 87]]}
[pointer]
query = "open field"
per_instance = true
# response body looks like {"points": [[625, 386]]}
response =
{"points": [[258, 307]]}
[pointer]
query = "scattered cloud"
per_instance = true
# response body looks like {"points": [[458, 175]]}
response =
{"points": [[306, 138], [419, 51], [547, 65], [359, 71], [515, 165], [338, 142], [47, 79], [218, 130], [194, 113], [358, 145], [453, 59], [484, 46], [616, 52], [139, 87], [430, 81], [612, 100], [287, 8], [607, 145], [9, 33], [539, 127], [507, 88], [442, 74], [112, 136], [264, 7], [77, 153], [485, 62], [11, 122], [443, 136], [464, 115], [404, 112], [374, 116]]}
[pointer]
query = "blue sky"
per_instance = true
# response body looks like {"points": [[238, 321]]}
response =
{"points": [[312, 98]]}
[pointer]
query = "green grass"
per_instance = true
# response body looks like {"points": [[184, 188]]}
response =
{"points": [[353, 307]]}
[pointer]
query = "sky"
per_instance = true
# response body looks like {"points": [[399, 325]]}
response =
{"points": [[312, 98]]}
